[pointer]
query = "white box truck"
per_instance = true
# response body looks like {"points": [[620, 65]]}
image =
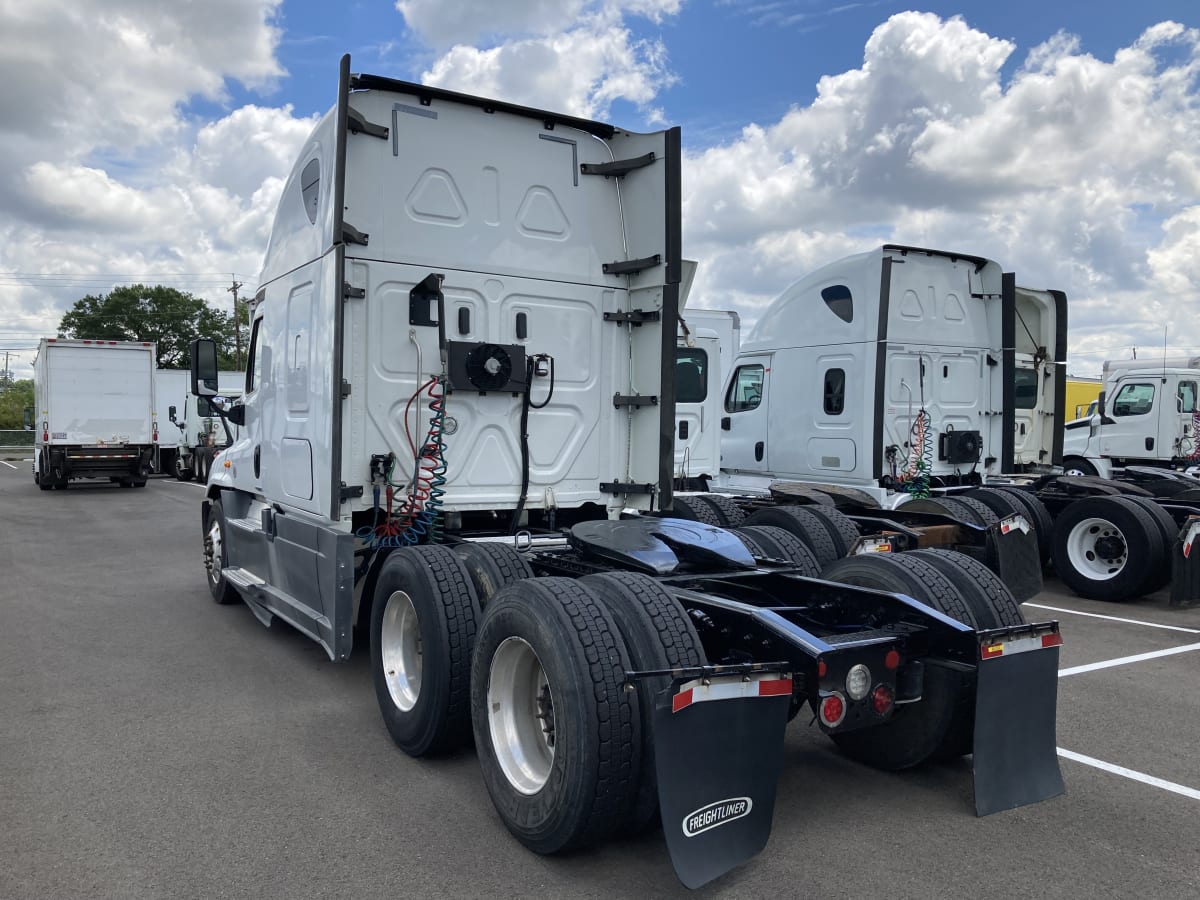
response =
{"points": [[463, 342], [93, 411]]}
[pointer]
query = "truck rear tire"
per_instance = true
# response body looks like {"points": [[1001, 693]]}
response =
{"points": [[840, 527], [728, 513], [1107, 548], [1169, 531], [990, 599], [423, 621], [804, 525], [558, 736], [904, 573], [768, 541], [694, 509], [659, 635], [1035, 511], [216, 557], [491, 566]]}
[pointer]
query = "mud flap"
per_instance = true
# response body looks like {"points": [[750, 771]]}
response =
{"points": [[1185, 565], [1016, 699], [1012, 550], [718, 766]]}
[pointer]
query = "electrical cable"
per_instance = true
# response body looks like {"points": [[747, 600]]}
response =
{"points": [[526, 405]]}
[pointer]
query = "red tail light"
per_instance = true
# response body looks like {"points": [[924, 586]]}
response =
{"points": [[45, 437], [892, 660], [882, 699], [833, 710]]}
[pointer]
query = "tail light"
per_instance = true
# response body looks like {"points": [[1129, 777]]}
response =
{"points": [[883, 698], [833, 710], [858, 682]]}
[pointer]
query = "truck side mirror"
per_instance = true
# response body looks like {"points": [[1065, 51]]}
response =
{"points": [[204, 367], [236, 414], [1100, 404], [27, 418]]}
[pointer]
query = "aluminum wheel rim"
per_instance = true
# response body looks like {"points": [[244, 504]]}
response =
{"points": [[215, 545], [1086, 558], [521, 715], [1075, 472], [400, 643]]}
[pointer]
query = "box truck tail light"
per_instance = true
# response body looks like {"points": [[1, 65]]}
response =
{"points": [[154, 430], [45, 430], [833, 710]]}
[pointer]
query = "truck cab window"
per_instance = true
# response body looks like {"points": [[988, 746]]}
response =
{"points": [[745, 390], [691, 375], [835, 392], [254, 362], [1026, 393], [310, 186], [1187, 396], [1134, 400], [839, 300]]}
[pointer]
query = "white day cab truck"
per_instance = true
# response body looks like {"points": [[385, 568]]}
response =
{"points": [[457, 429], [93, 414], [913, 389], [186, 450]]}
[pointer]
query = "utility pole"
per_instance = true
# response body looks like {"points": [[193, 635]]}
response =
{"points": [[237, 318]]}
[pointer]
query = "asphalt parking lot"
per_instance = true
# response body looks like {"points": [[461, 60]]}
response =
{"points": [[154, 744]]}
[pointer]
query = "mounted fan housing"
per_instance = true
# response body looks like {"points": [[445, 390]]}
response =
{"points": [[485, 367], [958, 447]]}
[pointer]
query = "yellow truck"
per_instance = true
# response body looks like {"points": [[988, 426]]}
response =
{"points": [[1081, 392]]}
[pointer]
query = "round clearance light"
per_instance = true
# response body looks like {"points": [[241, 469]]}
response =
{"points": [[833, 710], [858, 682]]}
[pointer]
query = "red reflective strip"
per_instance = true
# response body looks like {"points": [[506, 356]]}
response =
{"points": [[987, 651], [1051, 640], [775, 687], [681, 700]]}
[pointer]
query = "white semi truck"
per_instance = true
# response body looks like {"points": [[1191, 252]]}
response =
{"points": [[707, 345], [464, 342], [187, 446], [93, 413]]}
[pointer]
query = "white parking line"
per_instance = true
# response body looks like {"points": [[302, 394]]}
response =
{"points": [[1125, 660], [188, 483], [10, 465], [1113, 618], [1130, 773]]}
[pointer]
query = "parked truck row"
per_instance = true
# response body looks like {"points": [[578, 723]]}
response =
{"points": [[457, 448]]}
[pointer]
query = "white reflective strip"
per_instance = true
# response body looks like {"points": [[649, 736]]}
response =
{"points": [[1130, 773], [1125, 660], [726, 688], [10, 465], [1020, 645], [1074, 612]]}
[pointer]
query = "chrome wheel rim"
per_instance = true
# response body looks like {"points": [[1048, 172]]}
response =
{"points": [[521, 715], [213, 554], [1097, 549], [400, 643]]}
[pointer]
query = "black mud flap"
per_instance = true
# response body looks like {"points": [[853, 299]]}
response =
{"points": [[1012, 553], [1016, 700], [1185, 565], [718, 745]]}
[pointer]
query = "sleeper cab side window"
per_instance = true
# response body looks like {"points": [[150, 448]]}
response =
{"points": [[1025, 394], [691, 375], [835, 392], [254, 363], [837, 297], [310, 188], [1134, 400], [745, 389], [1187, 396]]}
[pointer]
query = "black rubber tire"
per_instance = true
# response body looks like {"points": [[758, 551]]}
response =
{"points": [[447, 609], [491, 566], [997, 501], [757, 550], [988, 596], [728, 513], [840, 526], [1037, 514], [1169, 531], [222, 591], [779, 543], [903, 573], [658, 634], [1081, 465], [803, 524], [183, 469], [596, 720], [140, 483], [1145, 552], [983, 513], [694, 509]]}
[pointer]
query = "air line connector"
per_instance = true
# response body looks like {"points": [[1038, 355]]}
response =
{"points": [[380, 463]]}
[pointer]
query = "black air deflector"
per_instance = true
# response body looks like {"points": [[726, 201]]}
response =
{"points": [[484, 367]]}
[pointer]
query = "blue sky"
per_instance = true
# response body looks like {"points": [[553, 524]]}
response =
{"points": [[1056, 137]]}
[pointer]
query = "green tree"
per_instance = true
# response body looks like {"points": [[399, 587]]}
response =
{"points": [[14, 398], [169, 317]]}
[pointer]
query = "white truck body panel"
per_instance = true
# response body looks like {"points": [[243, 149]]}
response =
{"points": [[698, 381], [94, 393], [522, 238]]}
